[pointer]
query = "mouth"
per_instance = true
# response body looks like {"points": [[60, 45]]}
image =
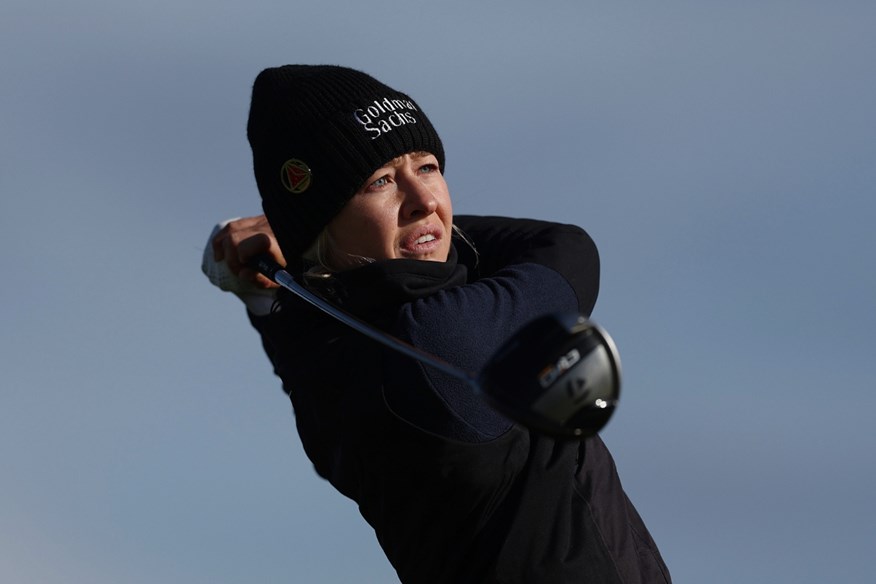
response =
{"points": [[422, 243]]}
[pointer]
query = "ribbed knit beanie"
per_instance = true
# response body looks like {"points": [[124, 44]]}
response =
{"points": [[317, 132]]}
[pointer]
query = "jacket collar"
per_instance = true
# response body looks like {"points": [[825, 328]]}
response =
{"points": [[376, 290]]}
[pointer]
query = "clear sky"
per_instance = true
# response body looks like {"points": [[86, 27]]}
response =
{"points": [[721, 154]]}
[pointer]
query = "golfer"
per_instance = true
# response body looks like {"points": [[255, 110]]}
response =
{"points": [[350, 173]]}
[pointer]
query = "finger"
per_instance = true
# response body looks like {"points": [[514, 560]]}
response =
{"points": [[252, 246], [237, 240], [230, 255], [250, 275], [266, 282]]}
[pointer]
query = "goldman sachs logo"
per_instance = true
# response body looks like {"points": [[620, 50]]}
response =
{"points": [[383, 116]]}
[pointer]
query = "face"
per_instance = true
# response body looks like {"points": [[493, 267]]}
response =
{"points": [[402, 211]]}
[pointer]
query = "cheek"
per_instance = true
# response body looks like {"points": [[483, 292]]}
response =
{"points": [[378, 227], [443, 195], [366, 230]]}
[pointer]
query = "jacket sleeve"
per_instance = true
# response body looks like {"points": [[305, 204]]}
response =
{"points": [[501, 242]]}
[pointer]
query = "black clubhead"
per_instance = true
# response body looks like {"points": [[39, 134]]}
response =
{"points": [[559, 374]]}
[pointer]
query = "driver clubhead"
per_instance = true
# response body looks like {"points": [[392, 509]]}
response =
{"points": [[560, 374]]}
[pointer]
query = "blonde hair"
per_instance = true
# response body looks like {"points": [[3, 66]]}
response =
{"points": [[321, 251]]}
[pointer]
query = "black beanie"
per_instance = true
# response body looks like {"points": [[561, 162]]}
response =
{"points": [[317, 132]]}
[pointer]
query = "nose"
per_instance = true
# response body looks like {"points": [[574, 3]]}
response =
{"points": [[419, 201]]}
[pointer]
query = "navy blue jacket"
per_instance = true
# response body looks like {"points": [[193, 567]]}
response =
{"points": [[456, 492]]}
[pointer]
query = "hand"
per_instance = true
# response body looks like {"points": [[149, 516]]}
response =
{"points": [[239, 240]]}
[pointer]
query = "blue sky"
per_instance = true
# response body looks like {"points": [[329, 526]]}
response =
{"points": [[721, 155]]}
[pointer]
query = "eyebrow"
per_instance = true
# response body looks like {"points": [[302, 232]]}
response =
{"points": [[415, 155]]}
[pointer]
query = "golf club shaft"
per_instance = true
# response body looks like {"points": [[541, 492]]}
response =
{"points": [[272, 270]]}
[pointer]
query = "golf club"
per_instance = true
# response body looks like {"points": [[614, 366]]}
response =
{"points": [[560, 374]]}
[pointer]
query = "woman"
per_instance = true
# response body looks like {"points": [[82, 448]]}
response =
{"points": [[350, 173]]}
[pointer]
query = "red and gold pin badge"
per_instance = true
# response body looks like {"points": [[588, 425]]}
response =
{"points": [[295, 176]]}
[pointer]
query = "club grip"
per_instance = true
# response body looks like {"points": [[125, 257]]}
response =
{"points": [[266, 265]]}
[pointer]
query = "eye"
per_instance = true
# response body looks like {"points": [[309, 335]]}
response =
{"points": [[428, 168], [378, 184]]}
